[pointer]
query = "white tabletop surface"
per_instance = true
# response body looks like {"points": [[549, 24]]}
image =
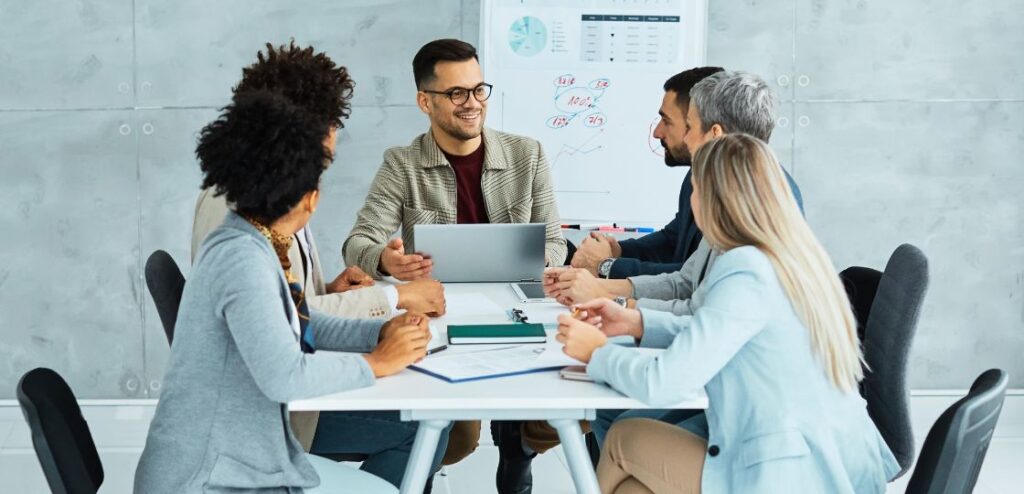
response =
{"points": [[412, 390]]}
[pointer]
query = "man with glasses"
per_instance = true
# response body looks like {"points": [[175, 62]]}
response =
{"points": [[459, 172], [456, 172]]}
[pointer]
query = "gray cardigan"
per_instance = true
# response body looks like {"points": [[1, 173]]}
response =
{"points": [[222, 421], [671, 292]]}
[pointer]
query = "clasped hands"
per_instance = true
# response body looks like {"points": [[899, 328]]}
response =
{"points": [[594, 249], [572, 285], [592, 323], [402, 342]]}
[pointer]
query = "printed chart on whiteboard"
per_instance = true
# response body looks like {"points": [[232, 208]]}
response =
{"points": [[585, 79]]}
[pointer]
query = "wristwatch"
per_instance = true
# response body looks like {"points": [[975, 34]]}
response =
{"points": [[605, 268], [620, 300]]}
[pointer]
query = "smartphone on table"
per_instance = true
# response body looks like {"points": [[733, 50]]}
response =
{"points": [[575, 373]]}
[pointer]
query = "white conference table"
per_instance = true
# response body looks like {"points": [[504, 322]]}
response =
{"points": [[435, 403]]}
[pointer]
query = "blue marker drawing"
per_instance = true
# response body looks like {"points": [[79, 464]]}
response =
{"points": [[573, 100]]}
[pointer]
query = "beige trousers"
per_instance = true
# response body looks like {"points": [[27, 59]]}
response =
{"points": [[645, 456]]}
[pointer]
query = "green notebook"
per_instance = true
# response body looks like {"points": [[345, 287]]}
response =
{"points": [[460, 334]]}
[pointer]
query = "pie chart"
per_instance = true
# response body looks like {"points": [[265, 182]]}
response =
{"points": [[527, 36]]}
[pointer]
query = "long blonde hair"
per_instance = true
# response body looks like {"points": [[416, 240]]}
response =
{"points": [[746, 200]]}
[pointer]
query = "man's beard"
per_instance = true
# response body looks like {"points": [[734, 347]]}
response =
{"points": [[458, 132], [671, 159]]}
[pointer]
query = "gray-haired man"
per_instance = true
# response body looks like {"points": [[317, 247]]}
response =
{"points": [[721, 103], [724, 102]]}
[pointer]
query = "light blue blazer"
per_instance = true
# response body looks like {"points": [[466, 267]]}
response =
{"points": [[775, 423]]}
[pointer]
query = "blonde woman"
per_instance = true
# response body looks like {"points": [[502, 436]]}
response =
{"points": [[772, 342]]}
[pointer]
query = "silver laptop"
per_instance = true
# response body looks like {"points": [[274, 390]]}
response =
{"points": [[483, 253]]}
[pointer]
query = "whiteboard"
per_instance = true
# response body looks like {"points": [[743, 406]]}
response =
{"points": [[585, 79]]}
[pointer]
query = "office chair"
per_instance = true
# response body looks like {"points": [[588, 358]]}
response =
{"points": [[955, 448], [60, 435], [887, 306], [165, 284]]}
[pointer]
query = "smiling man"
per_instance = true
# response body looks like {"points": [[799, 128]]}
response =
{"points": [[457, 172]]}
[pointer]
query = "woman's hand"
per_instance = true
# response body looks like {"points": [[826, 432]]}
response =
{"points": [[612, 318], [580, 338], [402, 347], [405, 319]]}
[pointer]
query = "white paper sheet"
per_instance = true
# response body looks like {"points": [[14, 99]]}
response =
{"points": [[543, 313], [468, 366], [463, 305], [437, 339]]}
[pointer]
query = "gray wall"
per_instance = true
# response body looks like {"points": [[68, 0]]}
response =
{"points": [[907, 128]]}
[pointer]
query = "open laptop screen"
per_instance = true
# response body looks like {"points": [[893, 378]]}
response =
{"points": [[483, 253]]}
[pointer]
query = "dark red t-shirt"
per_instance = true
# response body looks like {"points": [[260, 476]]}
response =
{"points": [[470, 196]]}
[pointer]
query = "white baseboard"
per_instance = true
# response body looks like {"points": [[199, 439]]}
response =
{"points": [[925, 405]]}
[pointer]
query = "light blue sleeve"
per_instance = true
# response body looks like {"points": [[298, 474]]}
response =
{"points": [[734, 312], [250, 300], [344, 335], [662, 335]]}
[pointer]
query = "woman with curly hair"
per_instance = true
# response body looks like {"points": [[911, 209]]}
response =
{"points": [[246, 342]]}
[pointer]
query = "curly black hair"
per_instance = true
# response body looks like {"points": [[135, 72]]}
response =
{"points": [[309, 79], [263, 153]]}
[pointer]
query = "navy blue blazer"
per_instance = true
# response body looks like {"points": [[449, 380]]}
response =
{"points": [[666, 250]]}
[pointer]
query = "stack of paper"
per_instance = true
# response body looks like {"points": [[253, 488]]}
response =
{"points": [[500, 362]]}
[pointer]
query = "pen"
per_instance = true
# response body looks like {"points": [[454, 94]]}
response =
{"points": [[436, 349]]}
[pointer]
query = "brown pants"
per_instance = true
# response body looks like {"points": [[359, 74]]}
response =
{"points": [[465, 437], [644, 456]]}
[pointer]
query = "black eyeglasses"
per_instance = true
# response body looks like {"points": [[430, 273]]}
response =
{"points": [[460, 95]]}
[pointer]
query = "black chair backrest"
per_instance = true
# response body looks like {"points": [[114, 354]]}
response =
{"points": [[888, 306], [956, 445], [165, 283], [861, 286], [60, 435]]}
